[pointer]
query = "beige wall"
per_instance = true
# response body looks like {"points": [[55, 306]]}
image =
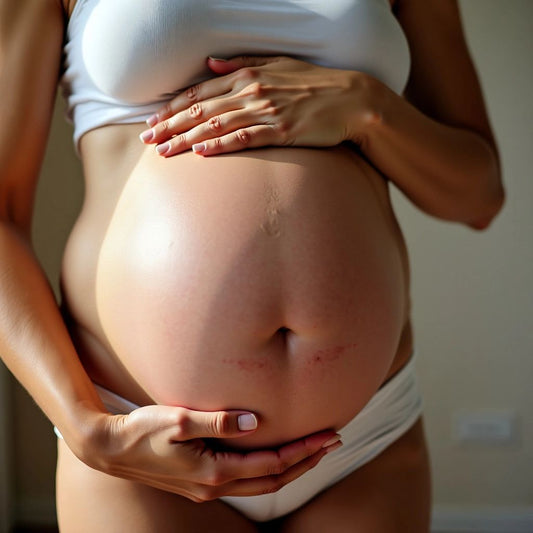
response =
{"points": [[473, 293], [473, 297]]}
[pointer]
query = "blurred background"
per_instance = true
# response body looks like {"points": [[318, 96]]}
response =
{"points": [[473, 315]]}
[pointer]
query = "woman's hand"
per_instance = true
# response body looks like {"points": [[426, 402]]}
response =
{"points": [[163, 447], [261, 101]]}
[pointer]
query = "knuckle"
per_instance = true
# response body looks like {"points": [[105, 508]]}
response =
{"points": [[166, 110], [218, 144], [192, 92], [166, 126], [206, 494], [268, 107], [215, 478], [214, 123], [179, 140], [180, 418], [246, 74], [181, 423], [283, 126], [255, 89], [196, 110], [243, 137], [283, 129], [220, 423], [277, 469]]}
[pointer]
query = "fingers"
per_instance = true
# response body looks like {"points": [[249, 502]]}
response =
{"points": [[216, 87], [208, 112], [211, 128], [179, 460], [241, 139], [207, 90], [268, 483], [219, 424], [237, 466], [227, 132], [226, 66], [184, 120], [214, 108]]}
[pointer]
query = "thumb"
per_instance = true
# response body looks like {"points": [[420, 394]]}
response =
{"points": [[217, 424], [227, 66]]}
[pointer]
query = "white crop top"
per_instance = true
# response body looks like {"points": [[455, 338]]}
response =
{"points": [[124, 58]]}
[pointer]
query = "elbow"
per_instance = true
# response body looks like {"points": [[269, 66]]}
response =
{"points": [[490, 210], [489, 197], [474, 198]]}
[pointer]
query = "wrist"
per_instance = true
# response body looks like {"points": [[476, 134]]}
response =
{"points": [[368, 101], [87, 435]]}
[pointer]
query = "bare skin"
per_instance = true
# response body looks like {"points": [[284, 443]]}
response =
{"points": [[161, 446], [245, 373], [284, 338], [393, 496], [342, 301]]}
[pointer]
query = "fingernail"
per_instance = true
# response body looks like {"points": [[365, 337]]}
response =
{"points": [[247, 422], [199, 148], [218, 59], [162, 149], [146, 136], [333, 447], [153, 120], [333, 440]]}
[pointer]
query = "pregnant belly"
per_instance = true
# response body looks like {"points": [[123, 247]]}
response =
{"points": [[268, 281]]}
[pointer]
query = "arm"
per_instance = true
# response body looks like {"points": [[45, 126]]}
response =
{"points": [[156, 445], [33, 339], [437, 146]]}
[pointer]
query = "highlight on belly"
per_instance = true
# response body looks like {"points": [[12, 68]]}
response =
{"points": [[220, 281]]}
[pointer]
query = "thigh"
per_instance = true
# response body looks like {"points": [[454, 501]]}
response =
{"points": [[89, 501], [390, 494]]}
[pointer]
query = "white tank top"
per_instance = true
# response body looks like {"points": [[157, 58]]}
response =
{"points": [[124, 58]]}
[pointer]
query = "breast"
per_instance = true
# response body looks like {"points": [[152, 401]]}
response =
{"points": [[267, 281], [140, 51]]}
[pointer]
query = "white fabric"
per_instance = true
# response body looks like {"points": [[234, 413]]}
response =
{"points": [[124, 58], [386, 417]]}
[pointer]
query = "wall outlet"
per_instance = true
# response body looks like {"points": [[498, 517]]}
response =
{"points": [[484, 426]]}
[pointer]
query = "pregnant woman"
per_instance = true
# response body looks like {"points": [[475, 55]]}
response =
{"points": [[235, 319]]}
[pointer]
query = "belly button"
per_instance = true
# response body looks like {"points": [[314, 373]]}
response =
{"points": [[284, 332], [285, 337]]}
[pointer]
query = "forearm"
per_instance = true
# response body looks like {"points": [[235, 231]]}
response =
{"points": [[35, 344], [449, 172]]}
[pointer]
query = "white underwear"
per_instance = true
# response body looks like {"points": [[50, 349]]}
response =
{"points": [[385, 418]]}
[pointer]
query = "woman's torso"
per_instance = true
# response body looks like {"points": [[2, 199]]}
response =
{"points": [[274, 280]]}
